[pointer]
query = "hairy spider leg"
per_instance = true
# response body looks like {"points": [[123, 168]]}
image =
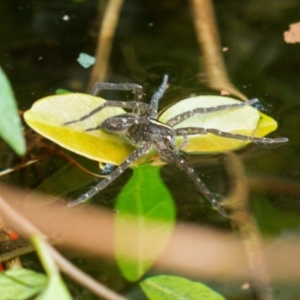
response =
{"points": [[136, 88], [201, 186], [122, 104], [202, 110], [185, 141], [157, 96], [119, 123], [135, 155], [198, 130]]}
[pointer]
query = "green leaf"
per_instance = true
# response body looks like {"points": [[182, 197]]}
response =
{"points": [[10, 125], [19, 284], [62, 92], [144, 221], [177, 288], [56, 288]]}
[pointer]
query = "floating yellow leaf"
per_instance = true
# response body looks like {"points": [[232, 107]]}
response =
{"points": [[48, 115], [242, 120]]}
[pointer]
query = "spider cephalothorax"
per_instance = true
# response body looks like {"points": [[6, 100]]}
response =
{"points": [[143, 130]]}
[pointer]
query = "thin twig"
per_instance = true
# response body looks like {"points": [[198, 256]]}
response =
{"points": [[28, 229], [209, 44], [212, 255], [76, 164], [41, 157], [18, 167], [17, 252], [79, 276]]}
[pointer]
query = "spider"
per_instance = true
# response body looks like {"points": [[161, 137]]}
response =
{"points": [[142, 128]]}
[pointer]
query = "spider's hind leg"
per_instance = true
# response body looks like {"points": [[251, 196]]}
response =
{"points": [[110, 178], [199, 130], [258, 140], [201, 186], [185, 141]]}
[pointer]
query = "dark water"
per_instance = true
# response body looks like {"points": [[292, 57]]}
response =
{"points": [[39, 48]]}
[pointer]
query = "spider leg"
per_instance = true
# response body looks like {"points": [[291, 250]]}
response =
{"points": [[185, 141], [122, 104], [119, 123], [135, 155], [202, 110], [157, 96], [136, 88], [198, 130], [201, 186]]}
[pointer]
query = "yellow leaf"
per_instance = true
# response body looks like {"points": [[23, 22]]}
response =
{"points": [[243, 120], [48, 115]]}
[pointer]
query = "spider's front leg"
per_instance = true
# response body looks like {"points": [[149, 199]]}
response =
{"points": [[120, 123], [157, 96], [172, 157], [198, 130], [136, 88], [146, 109], [115, 174]]}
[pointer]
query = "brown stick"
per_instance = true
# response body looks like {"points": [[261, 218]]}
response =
{"points": [[211, 255], [209, 44], [247, 228], [105, 39]]}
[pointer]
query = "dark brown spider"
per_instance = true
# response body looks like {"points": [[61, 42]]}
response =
{"points": [[143, 130]]}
